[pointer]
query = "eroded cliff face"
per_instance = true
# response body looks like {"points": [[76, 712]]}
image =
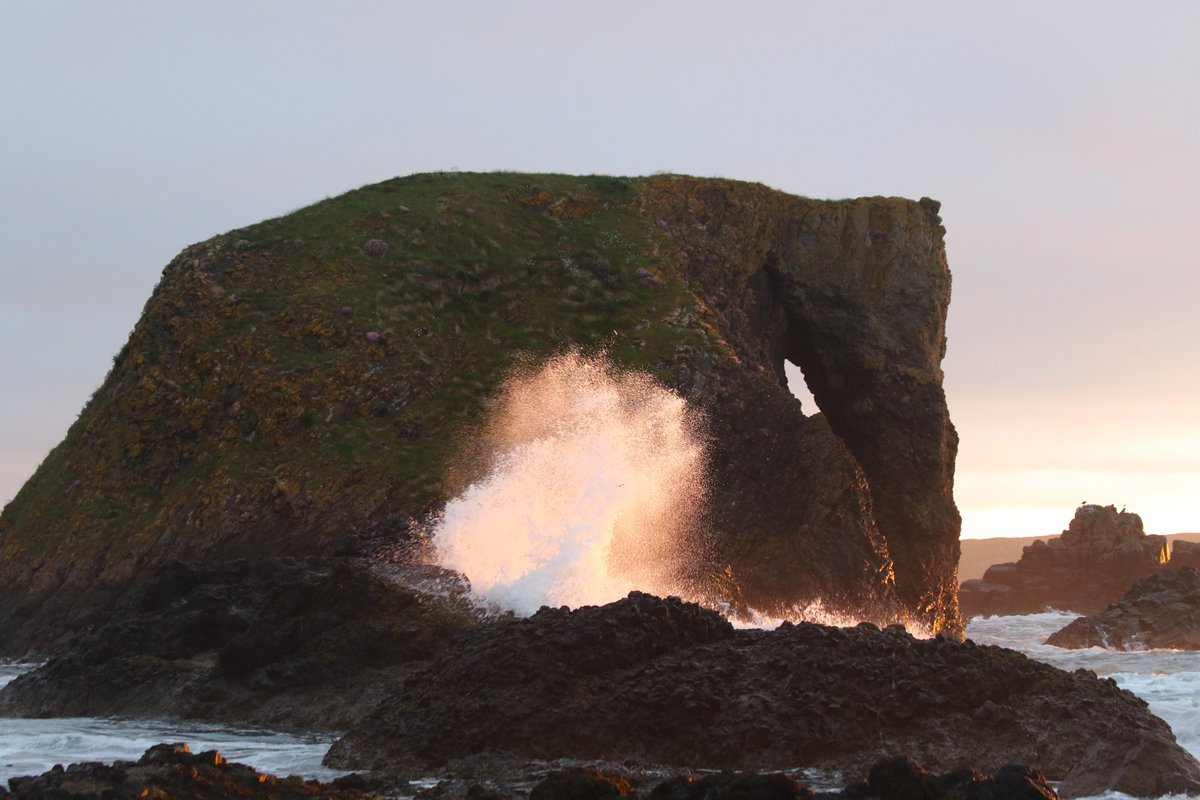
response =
{"points": [[302, 386], [855, 293]]}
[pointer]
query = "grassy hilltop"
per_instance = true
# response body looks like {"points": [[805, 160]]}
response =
{"points": [[340, 363]]}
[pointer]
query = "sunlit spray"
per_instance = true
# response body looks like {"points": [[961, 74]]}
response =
{"points": [[593, 484]]}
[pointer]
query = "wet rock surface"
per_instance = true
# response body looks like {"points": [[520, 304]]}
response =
{"points": [[172, 771], [169, 771], [1091, 565], [662, 681], [311, 643], [1161, 611]]}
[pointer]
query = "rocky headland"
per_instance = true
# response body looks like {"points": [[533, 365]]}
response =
{"points": [[1161, 611], [314, 377], [1091, 565]]}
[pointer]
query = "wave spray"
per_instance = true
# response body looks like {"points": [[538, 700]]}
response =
{"points": [[593, 480]]}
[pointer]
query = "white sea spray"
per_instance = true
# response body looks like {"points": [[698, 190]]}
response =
{"points": [[592, 486]]}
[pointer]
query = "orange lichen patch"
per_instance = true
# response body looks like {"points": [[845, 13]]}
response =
{"points": [[538, 198], [571, 207]]}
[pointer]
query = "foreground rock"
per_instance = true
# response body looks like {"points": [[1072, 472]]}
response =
{"points": [[1162, 611], [170, 771], [894, 779], [668, 682], [1091, 565], [312, 375], [312, 643]]}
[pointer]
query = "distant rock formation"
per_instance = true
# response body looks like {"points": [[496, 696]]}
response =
{"points": [[312, 378], [1092, 564], [667, 682], [1161, 611]]}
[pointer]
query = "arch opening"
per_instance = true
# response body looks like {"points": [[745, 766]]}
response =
{"points": [[797, 384]]}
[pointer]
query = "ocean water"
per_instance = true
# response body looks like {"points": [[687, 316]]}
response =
{"points": [[1169, 680], [32, 746]]}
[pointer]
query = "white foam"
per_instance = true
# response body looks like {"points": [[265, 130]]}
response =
{"points": [[1168, 680], [32, 746], [594, 479]]}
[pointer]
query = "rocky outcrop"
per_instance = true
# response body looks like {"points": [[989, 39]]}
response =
{"points": [[170, 770], [1093, 563], [312, 377], [311, 643], [663, 681], [1162, 611]]}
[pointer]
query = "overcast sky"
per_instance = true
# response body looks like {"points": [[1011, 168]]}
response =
{"points": [[1063, 140]]}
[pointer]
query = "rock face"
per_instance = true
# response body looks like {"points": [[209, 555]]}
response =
{"points": [[662, 681], [855, 293], [1093, 563], [311, 643], [311, 377], [1162, 611]]}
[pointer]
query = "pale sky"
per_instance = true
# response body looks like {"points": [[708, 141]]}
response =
{"points": [[1063, 140]]}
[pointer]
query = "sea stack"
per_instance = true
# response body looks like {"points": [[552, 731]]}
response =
{"points": [[303, 386]]}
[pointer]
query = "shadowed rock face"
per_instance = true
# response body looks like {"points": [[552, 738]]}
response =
{"points": [[288, 385], [301, 643], [1162, 611], [856, 294]]}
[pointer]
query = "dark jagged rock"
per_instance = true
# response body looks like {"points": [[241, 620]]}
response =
{"points": [[1162, 611], [905, 779], [285, 389], [730, 786], [312, 643], [580, 784], [170, 771], [664, 681], [1093, 563]]}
